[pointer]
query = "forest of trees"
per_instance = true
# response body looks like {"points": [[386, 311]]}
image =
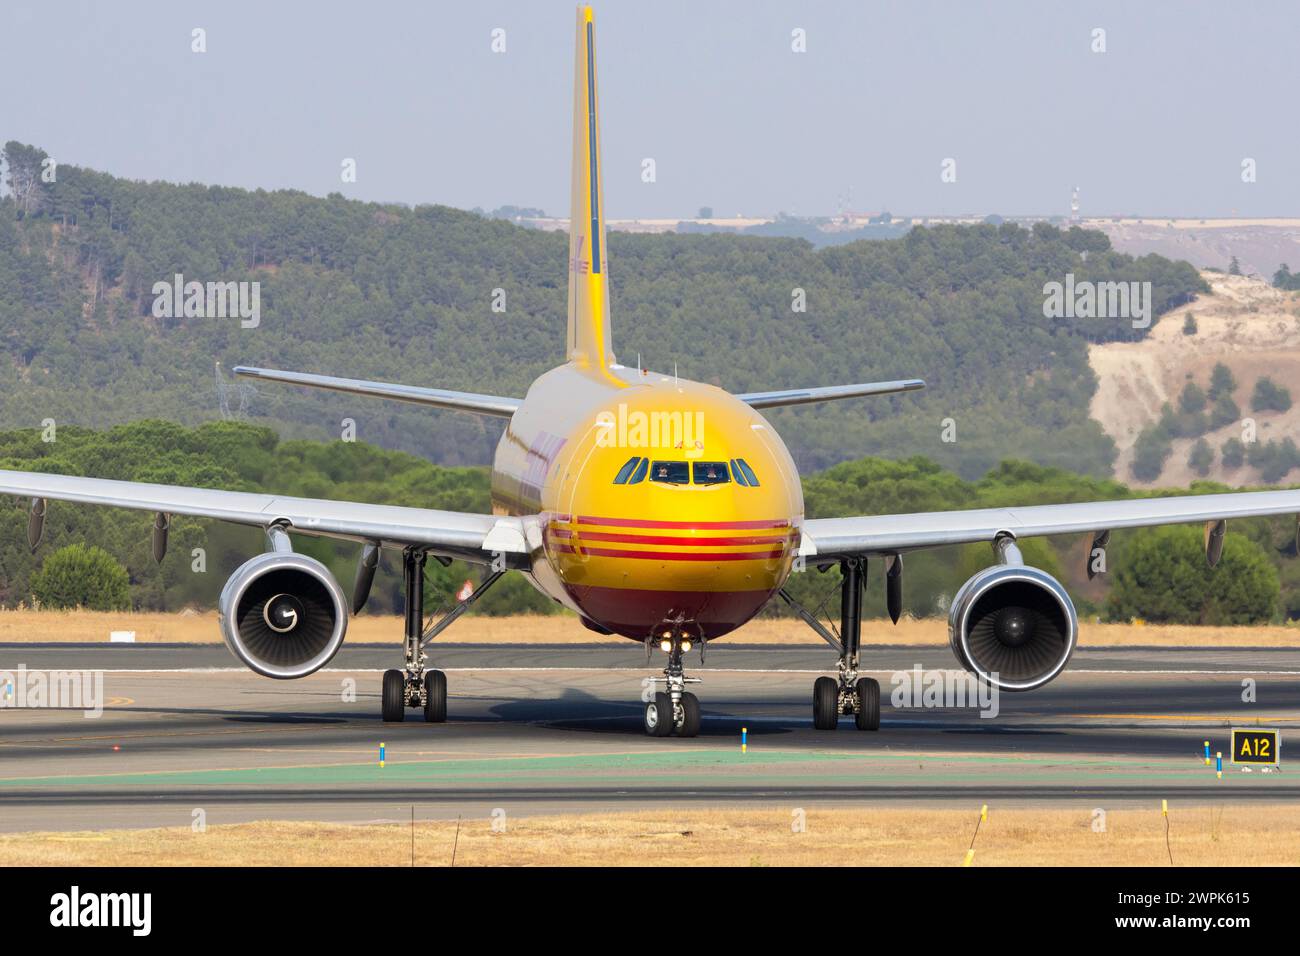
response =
{"points": [[405, 294], [1258, 579]]}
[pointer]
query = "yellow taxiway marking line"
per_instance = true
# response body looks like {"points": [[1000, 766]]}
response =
{"points": [[450, 757], [450, 754], [152, 735], [1183, 717], [165, 770]]}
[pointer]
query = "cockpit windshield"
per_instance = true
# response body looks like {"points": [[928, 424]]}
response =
{"points": [[636, 470], [709, 473], [670, 472]]}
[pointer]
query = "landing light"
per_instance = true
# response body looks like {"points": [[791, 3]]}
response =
{"points": [[665, 646], [686, 645]]}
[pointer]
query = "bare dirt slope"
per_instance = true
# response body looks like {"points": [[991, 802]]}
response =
{"points": [[1246, 324]]}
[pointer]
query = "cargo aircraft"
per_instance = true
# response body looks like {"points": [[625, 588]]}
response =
{"points": [[655, 508]]}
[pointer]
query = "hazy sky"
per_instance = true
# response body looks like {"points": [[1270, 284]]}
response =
{"points": [[1158, 124]]}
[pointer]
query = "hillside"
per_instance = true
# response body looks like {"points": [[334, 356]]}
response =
{"points": [[1245, 324], [1261, 246], [406, 294]]}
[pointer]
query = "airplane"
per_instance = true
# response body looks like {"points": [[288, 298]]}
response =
{"points": [[662, 510]]}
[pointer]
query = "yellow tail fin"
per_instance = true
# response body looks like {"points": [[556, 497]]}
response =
{"points": [[589, 339]]}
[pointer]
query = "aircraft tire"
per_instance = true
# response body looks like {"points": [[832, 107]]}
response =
{"points": [[868, 715], [393, 698], [659, 716], [826, 703], [435, 697], [690, 716]]}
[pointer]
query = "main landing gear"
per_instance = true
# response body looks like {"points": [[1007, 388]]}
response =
{"points": [[673, 709], [414, 686], [850, 694]]}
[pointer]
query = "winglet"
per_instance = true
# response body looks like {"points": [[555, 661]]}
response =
{"points": [[589, 339]]}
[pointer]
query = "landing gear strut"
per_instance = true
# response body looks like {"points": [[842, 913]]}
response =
{"points": [[850, 694], [674, 708], [414, 686]]}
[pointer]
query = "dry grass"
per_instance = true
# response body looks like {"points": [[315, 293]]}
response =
{"points": [[28, 626], [1199, 836]]}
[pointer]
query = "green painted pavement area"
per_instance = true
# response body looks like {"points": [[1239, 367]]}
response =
{"points": [[664, 767]]}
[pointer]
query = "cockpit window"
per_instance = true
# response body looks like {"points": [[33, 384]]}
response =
{"points": [[625, 472], [638, 476], [740, 475], [670, 472], [710, 473], [748, 472]]}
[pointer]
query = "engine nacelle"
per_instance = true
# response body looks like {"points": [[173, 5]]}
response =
{"points": [[283, 614], [1014, 626]]}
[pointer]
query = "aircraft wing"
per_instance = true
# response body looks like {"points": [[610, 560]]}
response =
{"points": [[827, 393], [834, 538], [494, 405], [454, 534]]}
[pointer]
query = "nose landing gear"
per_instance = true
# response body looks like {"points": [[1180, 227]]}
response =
{"points": [[673, 709]]}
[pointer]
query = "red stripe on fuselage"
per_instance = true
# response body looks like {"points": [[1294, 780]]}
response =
{"points": [[686, 525], [674, 555], [664, 539]]}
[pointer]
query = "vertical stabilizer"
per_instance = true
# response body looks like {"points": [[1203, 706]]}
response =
{"points": [[589, 340]]}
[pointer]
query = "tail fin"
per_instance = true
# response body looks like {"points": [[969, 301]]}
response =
{"points": [[589, 339]]}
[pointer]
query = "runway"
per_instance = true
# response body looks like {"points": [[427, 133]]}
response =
{"points": [[549, 728]]}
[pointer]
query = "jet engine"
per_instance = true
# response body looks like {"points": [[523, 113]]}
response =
{"points": [[283, 614], [1014, 626]]}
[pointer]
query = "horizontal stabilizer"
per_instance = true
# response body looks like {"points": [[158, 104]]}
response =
{"points": [[829, 393], [434, 397]]}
